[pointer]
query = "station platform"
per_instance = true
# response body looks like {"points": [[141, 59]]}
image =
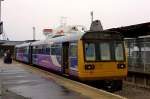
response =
{"points": [[21, 81]]}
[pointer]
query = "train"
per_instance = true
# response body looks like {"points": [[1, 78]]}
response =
{"points": [[85, 55]]}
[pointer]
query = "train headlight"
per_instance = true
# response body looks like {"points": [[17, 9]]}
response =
{"points": [[89, 67], [121, 66]]}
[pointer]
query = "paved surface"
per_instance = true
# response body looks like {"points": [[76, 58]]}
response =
{"points": [[20, 82]]}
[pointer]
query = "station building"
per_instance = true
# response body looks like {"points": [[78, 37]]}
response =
{"points": [[137, 39], [5, 45]]}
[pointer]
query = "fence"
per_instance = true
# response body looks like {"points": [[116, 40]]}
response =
{"points": [[139, 54]]}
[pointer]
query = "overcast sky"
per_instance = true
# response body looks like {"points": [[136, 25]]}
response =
{"points": [[19, 16]]}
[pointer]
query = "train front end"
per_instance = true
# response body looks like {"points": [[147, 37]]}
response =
{"points": [[101, 56]]}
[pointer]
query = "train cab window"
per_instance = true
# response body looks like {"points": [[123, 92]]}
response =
{"points": [[119, 51], [90, 52], [105, 51]]}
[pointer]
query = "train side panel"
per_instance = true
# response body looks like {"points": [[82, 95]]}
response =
{"points": [[22, 54], [42, 56], [47, 61]]}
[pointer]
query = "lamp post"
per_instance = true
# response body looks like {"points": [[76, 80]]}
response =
{"points": [[0, 9], [33, 32], [1, 23]]}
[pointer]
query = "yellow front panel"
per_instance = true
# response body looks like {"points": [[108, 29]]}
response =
{"points": [[102, 70]]}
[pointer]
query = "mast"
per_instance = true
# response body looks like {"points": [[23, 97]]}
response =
{"points": [[91, 17]]}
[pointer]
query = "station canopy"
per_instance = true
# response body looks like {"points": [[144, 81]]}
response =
{"points": [[133, 31]]}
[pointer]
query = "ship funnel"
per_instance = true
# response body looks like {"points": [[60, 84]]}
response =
{"points": [[96, 26]]}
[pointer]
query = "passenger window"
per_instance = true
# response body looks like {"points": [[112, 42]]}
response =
{"points": [[73, 50], [48, 51], [56, 50], [90, 51], [105, 51]]}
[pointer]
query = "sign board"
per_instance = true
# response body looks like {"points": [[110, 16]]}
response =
{"points": [[47, 31]]}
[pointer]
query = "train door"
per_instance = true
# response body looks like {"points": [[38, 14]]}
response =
{"points": [[30, 54], [65, 58]]}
